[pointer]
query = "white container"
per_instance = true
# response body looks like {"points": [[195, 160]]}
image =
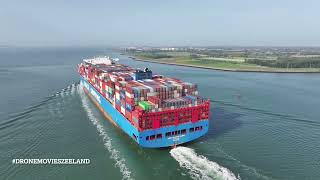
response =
{"points": [[113, 79], [152, 94], [123, 110], [117, 95], [129, 95], [114, 103], [151, 89], [117, 87]]}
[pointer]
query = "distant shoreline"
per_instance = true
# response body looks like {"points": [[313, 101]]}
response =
{"points": [[222, 69]]}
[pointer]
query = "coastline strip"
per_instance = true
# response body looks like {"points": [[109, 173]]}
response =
{"points": [[220, 69]]}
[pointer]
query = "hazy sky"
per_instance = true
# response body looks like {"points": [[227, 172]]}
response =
{"points": [[161, 22]]}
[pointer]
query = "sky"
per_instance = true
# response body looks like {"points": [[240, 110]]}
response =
{"points": [[160, 23]]}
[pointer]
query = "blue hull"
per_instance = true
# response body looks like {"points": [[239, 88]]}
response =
{"points": [[153, 138]]}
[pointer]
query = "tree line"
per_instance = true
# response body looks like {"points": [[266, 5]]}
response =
{"points": [[287, 63]]}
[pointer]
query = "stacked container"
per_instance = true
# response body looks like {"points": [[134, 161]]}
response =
{"points": [[146, 101]]}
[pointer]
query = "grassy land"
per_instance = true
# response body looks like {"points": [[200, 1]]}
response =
{"points": [[227, 64], [236, 59]]}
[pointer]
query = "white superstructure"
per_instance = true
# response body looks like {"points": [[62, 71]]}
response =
{"points": [[100, 60]]}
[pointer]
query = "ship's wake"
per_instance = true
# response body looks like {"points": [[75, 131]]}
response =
{"points": [[14, 118], [37, 118], [69, 90], [115, 156], [199, 167]]}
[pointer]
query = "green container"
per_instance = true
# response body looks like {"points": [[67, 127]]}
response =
{"points": [[109, 89], [144, 105]]}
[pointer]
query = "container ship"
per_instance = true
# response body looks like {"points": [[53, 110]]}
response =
{"points": [[155, 111]]}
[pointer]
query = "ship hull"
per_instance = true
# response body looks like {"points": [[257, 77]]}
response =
{"points": [[140, 137]]}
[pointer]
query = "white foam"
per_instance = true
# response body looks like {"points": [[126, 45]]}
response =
{"points": [[62, 93], [67, 92], [114, 154], [199, 167], [73, 89]]}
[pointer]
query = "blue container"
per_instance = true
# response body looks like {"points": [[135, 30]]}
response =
{"points": [[128, 107], [192, 98], [139, 75], [118, 101]]}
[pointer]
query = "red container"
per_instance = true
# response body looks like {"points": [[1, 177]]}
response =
{"points": [[123, 102], [130, 101], [129, 89], [118, 108], [128, 115]]}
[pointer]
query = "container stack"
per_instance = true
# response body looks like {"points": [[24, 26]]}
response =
{"points": [[133, 91], [176, 103]]}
